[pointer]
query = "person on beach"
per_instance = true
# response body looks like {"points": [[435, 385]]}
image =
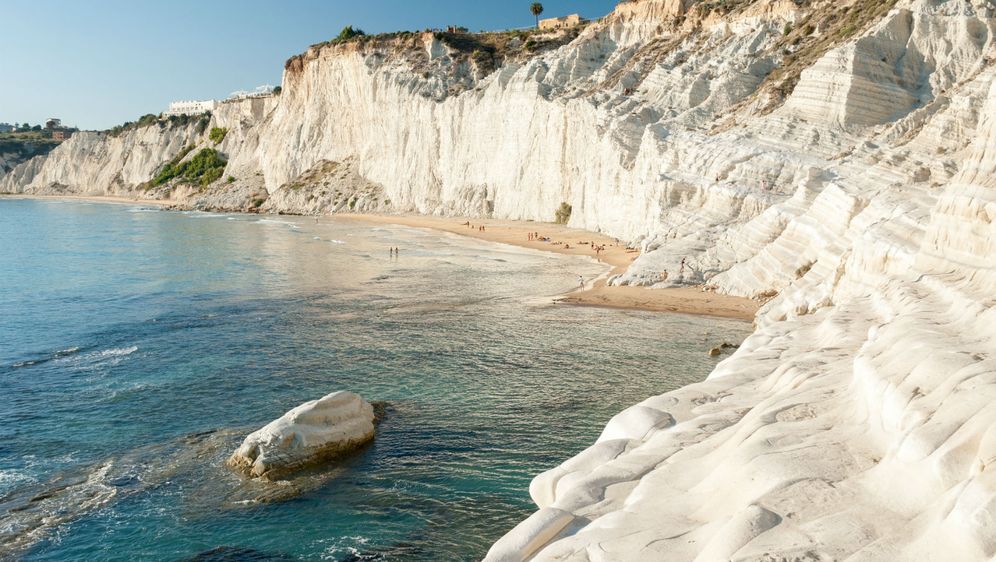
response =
{"points": [[581, 282], [681, 270]]}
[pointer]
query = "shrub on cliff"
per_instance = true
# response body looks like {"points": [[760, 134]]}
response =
{"points": [[203, 122], [348, 33], [563, 213], [217, 134], [205, 167]]}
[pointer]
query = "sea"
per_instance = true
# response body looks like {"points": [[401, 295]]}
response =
{"points": [[139, 346]]}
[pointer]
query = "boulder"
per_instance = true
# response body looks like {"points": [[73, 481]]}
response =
{"points": [[309, 434]]}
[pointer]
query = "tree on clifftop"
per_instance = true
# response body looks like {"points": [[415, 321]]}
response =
{"points": [[536, 9], [348, 33]]}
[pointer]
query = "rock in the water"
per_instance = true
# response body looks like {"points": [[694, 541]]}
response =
{"points": [[310, 433]]}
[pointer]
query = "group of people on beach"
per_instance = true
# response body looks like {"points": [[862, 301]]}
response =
{"points": [[480, 227], [393, 251]]}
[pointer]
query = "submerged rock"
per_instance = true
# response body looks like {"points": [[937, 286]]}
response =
{"points": [[313, 432]]}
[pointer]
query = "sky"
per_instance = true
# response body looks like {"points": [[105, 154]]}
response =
{"points": [[99, 63]]}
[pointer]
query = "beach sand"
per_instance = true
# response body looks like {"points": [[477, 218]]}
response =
{"points": [[91, 199], [687, 300]]}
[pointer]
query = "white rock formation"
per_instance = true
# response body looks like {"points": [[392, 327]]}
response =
{"points": [[856, 422], [306, 435]]}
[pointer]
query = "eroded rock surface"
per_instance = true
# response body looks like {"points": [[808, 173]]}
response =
{"points": [[309, 434]]}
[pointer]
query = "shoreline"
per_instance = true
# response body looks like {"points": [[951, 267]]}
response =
{"points": [[694, 300], [113, 199]]}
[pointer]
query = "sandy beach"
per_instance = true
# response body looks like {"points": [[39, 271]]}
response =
{"points": [[92, 199], [574, 242], [562, 240]]}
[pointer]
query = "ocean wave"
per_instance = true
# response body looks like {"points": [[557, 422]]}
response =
{"points": [[117, 352], [9, 478], [59, 354], [337, 241], [27, 363]]}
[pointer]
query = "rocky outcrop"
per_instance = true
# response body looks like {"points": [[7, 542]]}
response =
{"points": [[832, 158], [311, 433]]}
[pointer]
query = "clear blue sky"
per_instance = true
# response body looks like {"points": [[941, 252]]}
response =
{"points": [[99, 63]]}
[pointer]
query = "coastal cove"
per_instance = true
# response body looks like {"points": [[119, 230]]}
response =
{"points": [[689, 281], [142, 345], [615, 254]]}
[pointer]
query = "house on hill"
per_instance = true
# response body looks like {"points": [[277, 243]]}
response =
{"points": [[551, 24]]}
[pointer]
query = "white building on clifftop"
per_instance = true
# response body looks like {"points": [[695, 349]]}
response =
{"points": [[190, 107]]}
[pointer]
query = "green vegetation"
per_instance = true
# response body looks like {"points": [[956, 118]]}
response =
{"points": [[536, 8], [203, 122], [204, 168], [26, 144], [150, 119], [277, 90], [231, 179], [348, 33], [217, 134], [563, 213], [143, 121]]}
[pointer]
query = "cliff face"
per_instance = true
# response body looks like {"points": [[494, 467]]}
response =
{"points": [[836, 158]]}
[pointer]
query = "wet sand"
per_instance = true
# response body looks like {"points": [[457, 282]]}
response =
{"points": [[92, 199], [686, 300]]}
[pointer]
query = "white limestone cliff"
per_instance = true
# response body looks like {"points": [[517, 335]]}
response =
{"points": [[833, 158]]}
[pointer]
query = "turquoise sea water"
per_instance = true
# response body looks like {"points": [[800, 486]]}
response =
{"points": [[137, 348]]}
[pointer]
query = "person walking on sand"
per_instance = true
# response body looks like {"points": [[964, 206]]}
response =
{"points": [[581, 282]]}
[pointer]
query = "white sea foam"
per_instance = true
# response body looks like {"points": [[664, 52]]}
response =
{"points": [[9, 478], [118, 352]]}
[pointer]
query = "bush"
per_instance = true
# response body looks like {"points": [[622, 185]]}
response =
{"points": [[205, 167], [348, 33], [217, 134], [231, 179], [143, 121], [563, 213], [203, 122], [277, 90]]}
